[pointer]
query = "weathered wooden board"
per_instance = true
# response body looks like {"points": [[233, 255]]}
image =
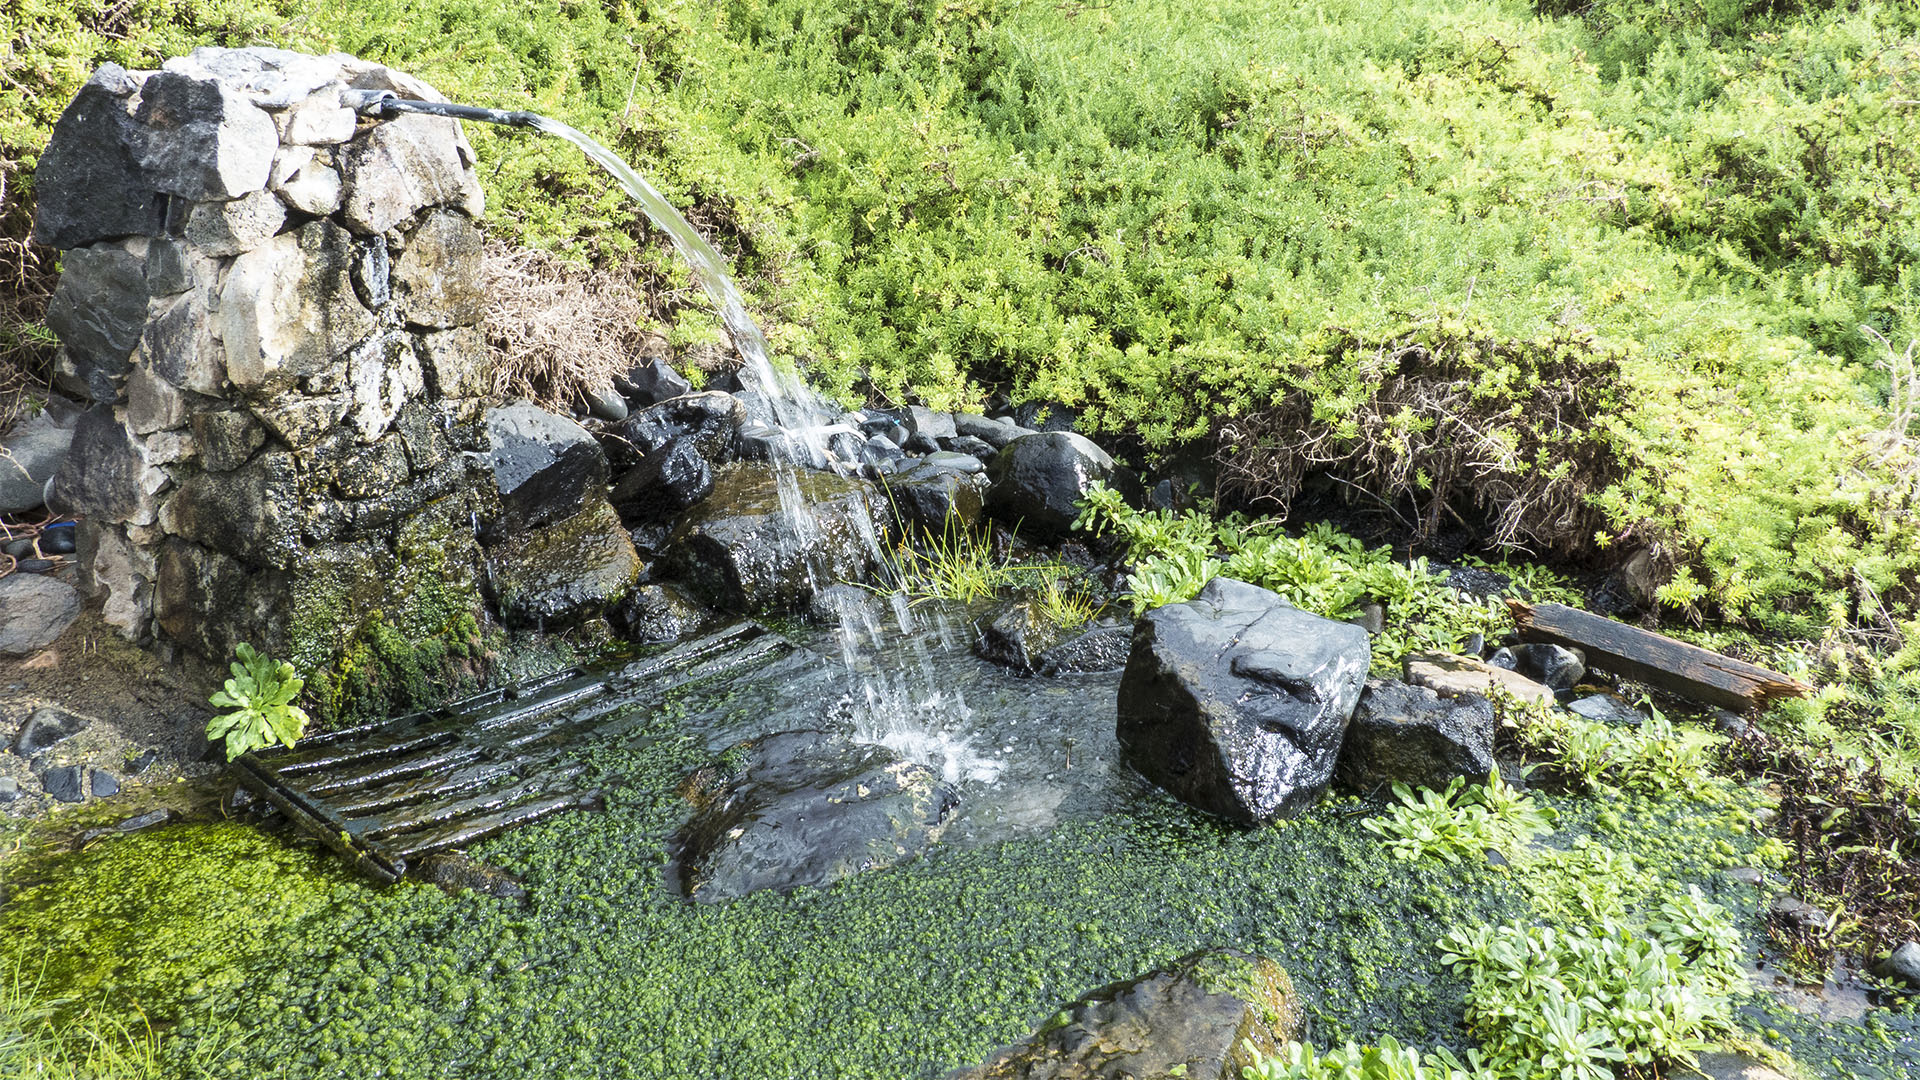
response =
{"points": [[1655, 659], [387, 794]]}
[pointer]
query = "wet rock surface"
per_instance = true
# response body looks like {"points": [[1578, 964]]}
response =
{"points": [[1189, 1019], [926, 496], [741, 553], [1411, 735], [658, 613], [46, 728], [546, 467], [1236, 702], [1553, 666], [564, 573], [709, 421], [1103, 648], [666, 482], [1036, 481], [804, 808]]}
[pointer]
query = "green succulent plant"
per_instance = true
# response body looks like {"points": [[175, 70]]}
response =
{"points": [[261, 695]]}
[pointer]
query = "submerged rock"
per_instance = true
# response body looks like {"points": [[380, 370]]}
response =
{"points": [[1104, 648], [1189, 1019], [456, 874], [805, 808], [741, 553], [565, 573], [1236, 701], [1411, 735], [1037, 481]]}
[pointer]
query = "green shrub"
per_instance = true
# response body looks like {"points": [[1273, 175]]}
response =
{"points": [[261, 695], [1461, 823]]}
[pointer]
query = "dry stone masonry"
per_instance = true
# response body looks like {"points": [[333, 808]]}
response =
{"points": [[271, 309]]}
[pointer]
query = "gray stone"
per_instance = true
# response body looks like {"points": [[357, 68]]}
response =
{"points": [[301, 421], [978, 449], [208, 602], [312, 188], [372, 274], [1607, 709], [1017, 635], [288, 308], [805, 808], [925, 424], [565, 573], [992, 432], [10, 790], [87, 185], [99, 309], [1037, 481], [124, 573], [665, 483], [1451, 675], [740, 552], [227, 438], [383, 375], [546, 468], [1044, 416], [1202, 1017], [34, 612], [398, 167], [1904, 964], [1553, 666], [1411, 735], [605, 403], [169, 269], [1733, 1065], [366, 472], [154, 404], [251, 513], [319, 120], [62, 782], [1236, 702], [1796, 915], [47, 728], [934, 499], [182, 346], [202, 140], [270, 78], [456, 362], [104, 476], [954, 462], [102, 783], [30, 455], [237, 225], [437, 276], [653, 614]]}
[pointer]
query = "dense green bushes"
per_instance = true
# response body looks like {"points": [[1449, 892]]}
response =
{"points": [[1167, 217]]}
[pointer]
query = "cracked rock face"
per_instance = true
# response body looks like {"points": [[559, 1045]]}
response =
{"points": [[1236, 701]]}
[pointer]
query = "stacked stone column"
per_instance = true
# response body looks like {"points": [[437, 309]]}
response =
{"points": [[271, 308]]}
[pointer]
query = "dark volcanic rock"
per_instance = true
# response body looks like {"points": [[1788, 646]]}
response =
{"points": [[805, 808], [1904, 965], [651, 614], [103, 783], [1016, 636], [456, 874], [652, 383], [46, 728], [1036, 481], [1191, 1019], [1411, 735], [87, 184], [665, 482], [546, 467], [1103, 648], [1553, 666], [101, 475], [565, 573], [63, 783], [710, 420], [1236, 701], [34, 612], [741, 553], [926, 496], [30, 455]]}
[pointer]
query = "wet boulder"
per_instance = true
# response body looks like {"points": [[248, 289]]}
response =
{"points": [[926, 495], [1103, 648], [652, 382], [564, 573], [710, 420], [1236, 701], [804, 808], [652, 614], [665, 482], [1411, 735], [1193, 1018], [546, 467], [741, 551], [1903, 965], [1016, 635], [1037, 481]]}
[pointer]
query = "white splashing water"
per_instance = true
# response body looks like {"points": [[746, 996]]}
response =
{"points": [[905, 713]]}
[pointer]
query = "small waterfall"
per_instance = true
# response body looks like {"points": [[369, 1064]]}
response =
{"points": [[903, 709]]}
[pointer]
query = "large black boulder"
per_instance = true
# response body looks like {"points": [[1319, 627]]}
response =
{"points": [[1411, 735], [742, 551], [665, 482], [1236, 701], [1037, 481], [547, 468], [711, 420], [926, 494], [804, 808]]}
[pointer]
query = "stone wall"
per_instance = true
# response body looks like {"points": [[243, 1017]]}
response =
{"points": [[271, 309]]}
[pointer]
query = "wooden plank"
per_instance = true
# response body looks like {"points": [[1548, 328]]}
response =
{"points": [[1655, 659]]}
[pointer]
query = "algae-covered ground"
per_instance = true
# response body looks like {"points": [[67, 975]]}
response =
{"points": [[252, 955]]}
